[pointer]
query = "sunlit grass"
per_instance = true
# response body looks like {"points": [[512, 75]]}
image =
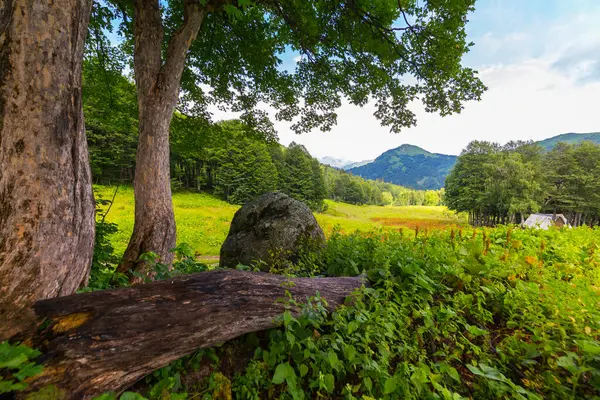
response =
{"points": [[203, 220]]}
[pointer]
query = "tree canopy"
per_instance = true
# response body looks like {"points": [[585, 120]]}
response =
{"points": [[387, 51]]}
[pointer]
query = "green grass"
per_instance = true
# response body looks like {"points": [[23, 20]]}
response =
{"points": [[352, 217], [203, 220]]}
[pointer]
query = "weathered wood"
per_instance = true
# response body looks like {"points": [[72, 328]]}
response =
{"points": [[106, 341]]}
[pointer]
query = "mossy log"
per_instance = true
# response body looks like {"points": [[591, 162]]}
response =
{"points": [[106, 341]]}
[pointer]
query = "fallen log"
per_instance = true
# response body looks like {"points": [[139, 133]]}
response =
{"points": [[106, 341]]}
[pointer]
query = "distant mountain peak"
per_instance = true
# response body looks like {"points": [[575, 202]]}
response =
{"points": [[341, 163], [411, 150]]}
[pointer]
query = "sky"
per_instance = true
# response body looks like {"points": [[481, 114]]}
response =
{"points": [[540, 60]]}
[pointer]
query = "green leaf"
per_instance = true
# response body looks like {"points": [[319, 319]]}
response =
{"points": [[475, 331], [10, 386], [368, 383], [389, 386], [487, 372], [31, 369], [589, 347], [350, 352], [352, 326], [333, 359], [303, 370], [329, 383], [282, 372]]}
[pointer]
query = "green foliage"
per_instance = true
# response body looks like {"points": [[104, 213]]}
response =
{"points": [[483, 314], [354, 51], [246, 172], [495, 184], [103, 273], [301, 176], [111, 118], [16, 365], [343, 186]]}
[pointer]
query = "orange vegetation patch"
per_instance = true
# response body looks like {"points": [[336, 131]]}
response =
{"points": [[414, 223]]}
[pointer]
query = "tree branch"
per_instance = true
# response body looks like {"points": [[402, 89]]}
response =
{"points": [[179, 44]]}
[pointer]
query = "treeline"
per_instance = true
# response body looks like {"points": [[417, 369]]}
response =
{"points": [[348, 188], [497, 184], [226, 158]]}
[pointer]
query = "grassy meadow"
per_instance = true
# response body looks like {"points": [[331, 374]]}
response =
{"points": [[203, 220]]}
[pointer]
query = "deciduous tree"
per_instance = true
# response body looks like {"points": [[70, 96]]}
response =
{"points": [[353, 50], [46, 203]]}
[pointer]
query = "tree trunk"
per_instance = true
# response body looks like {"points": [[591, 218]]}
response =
{"points": [[154, 227], [46, 202], [106, 341], [157, 84]]}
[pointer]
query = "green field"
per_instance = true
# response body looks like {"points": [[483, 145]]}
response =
{"points": [[203, 220]]}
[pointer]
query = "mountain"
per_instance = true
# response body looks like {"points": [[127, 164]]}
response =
{"points": [[341, 163], [334, 162], [409, 166], [571, 138], [414, 167]]}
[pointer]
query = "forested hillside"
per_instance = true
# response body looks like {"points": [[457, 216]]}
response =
{"points": [[569, 138], [409, 166], [504, 184], [414, 167]]}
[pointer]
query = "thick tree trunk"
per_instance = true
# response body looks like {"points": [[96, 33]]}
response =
{"points": [[46, 202], [106, 341], [157, 86], [154, 227]]}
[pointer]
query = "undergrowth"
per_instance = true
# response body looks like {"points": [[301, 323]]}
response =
{"points": [[484, 314]]}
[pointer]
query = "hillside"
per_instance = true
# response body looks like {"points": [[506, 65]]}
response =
{"points": [[409, 166], [570, 138], [416, 168]]}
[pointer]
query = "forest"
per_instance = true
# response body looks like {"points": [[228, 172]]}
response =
{"points": [[226, 158], [384, 313], [504, 184]]}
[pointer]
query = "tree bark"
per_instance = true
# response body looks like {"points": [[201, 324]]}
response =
{"points": [[158, 91], [46, 202], [106, 341]]}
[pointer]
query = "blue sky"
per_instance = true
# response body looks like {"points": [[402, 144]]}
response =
{"points": [[541, 62]]}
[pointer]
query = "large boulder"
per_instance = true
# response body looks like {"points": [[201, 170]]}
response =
{"points": [[271, 228]]}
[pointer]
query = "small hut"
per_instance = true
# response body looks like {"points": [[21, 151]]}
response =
{"points": [[545, 221]]}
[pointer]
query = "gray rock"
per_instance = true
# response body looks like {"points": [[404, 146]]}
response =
{"points": [[270, 228]]}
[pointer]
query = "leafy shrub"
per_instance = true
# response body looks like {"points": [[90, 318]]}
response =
{"points": [[16, 366], [484, 314]]}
